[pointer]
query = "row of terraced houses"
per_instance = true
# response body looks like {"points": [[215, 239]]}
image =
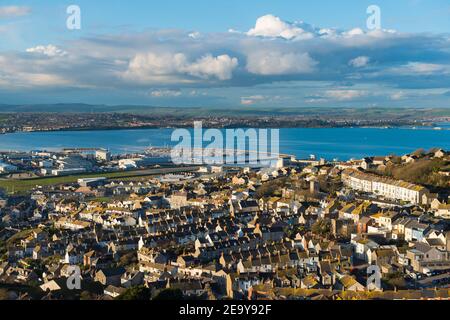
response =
{"points": [[384, 187]]}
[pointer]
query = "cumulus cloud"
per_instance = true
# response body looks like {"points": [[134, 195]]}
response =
{"points": [[274, 53], [208, 66], [13, 11], [359, 62], [152, 66], [19, 72], [272, 26], [194, 35], [49, 50], [278, 63], [163, 67], [354, 32]]}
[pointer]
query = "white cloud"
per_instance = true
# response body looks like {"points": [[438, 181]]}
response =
{"points": [[43, 79], [248, 101], [354, 32], [22, 74], [278, 63], [342, 95], [16, 72], [14, 11], [220, 67], [254, 99], [272, 26], [359, 62], [398, 95], [151, 65], [316, 100], [165, 93], [167, 67], [327, 32], [196, 93], [422, 68], [194, 35], [49, 50], [173, 60]]}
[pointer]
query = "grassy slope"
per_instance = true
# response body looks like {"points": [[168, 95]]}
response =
{"points": [[424, 172], [28, 184]]}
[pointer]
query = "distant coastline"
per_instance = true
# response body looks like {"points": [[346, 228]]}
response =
{"points": [[329, 143], [115, 128], [24, 121]]}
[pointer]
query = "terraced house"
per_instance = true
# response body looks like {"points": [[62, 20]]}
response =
{"points": [[384, 187]]}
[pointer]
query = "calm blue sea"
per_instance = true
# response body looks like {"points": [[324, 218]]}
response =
{"points": [[329, 143]]}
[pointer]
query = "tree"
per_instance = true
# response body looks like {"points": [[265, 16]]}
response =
{"points": [[140, 293], [2, 247], [86, 295], [4, 294], [395, 280], [52, 231], [128, 259], [322, 227], [169, 294], [271, 188]]}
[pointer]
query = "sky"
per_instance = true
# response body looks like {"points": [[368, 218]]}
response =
{"points": [[234, 53]]}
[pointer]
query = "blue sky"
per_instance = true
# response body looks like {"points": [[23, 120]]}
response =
{"points": [[286, 53]]}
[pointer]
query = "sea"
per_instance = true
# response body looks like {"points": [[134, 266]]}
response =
{"points": [[328, 143]]}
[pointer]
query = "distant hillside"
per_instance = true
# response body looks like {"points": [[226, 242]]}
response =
{"points": [[327, 113]]}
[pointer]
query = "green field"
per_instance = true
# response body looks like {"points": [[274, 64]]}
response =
{"points": [[18, 186]]}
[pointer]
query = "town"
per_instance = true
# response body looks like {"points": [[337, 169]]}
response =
{"points": [[28, 121], [138, 227]]}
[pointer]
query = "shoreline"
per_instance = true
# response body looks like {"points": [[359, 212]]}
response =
{"points": [[405, 127]]}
